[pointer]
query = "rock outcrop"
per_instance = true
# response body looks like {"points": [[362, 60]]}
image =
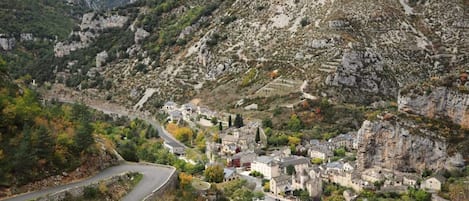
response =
{"points": [[91, 26], [438, 102], [7, 43], [394, 145]]}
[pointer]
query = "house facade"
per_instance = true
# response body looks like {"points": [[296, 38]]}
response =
{"points": [[281, 185], [267, 166]]}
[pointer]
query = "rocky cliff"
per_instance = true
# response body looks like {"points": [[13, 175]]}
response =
{"points": [[100, 4], [437, 102], [397, 145]]}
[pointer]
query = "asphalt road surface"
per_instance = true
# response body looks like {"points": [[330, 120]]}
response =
{"points": [[153, 178]]}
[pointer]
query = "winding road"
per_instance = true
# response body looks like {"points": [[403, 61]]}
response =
{"points": [[120, 111], [154, 176]]}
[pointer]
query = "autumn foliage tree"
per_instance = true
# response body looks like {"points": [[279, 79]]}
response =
{"points": [[214, 174]]}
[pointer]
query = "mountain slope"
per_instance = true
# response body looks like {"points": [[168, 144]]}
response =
{"points": [[345, 51]]}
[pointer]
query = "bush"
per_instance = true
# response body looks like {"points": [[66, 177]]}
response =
{"points": [[90, 192], [228, 19], [304, 22]]}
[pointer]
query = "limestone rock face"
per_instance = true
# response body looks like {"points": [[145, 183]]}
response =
{"points": [[7, 43], [392, 145], [441, 102], [140, 34], [361, 69], [90, 28], [101, 59]]}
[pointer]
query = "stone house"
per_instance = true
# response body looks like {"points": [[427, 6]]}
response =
{"points": [[206, 112], [242, 159], [433, 184], [410, 180], [229, 174], [242, 138], [267, 166], [343, 140], [320, 151], [175, 116], [298, 162], [170, 106], [281, 185], [309, 180], [174, 147]]}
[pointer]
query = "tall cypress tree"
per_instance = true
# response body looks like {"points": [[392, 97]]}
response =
{"points": [[229, 121], [238, 122], [220, 126], [258, 135]]}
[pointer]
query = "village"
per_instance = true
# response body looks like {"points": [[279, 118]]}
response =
{"points": [[285, 172]]}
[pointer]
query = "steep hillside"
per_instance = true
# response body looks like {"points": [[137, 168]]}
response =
{"points": [[100, 4], [219, 51], [349, 51]]}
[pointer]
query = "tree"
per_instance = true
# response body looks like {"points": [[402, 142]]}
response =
{"points": [[214, 174], [80, 112], [295, 124], [229, 121], [151, 133], [3, 66], [84, 136], [24, 158], [220, 126], [267, 123], [258, 135], [214, 120], [292, 140], [238, 122], [317, 161], [291, 170], [266, 187], [242, 194], [128, 150], [45, 143], [339, 152], [230, 187], [259, 195], [184, 134]]}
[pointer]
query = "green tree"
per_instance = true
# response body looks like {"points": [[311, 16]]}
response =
{"points": [[339, 152], [295, 124], [45, 143], [83, 136], [238, 122], [24, 159], [291, 170], [3, 66], [242, 194], [258, 135], [267, 123], [220, 126], [80, 112], [128, 151], [229, 121], [214, 174], [214, 121]]}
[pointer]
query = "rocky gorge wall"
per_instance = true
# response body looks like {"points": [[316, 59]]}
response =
{"points": [[394, 145], [440, 102]]}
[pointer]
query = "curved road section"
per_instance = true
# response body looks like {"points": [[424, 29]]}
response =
{"points": [[154, 177]]}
